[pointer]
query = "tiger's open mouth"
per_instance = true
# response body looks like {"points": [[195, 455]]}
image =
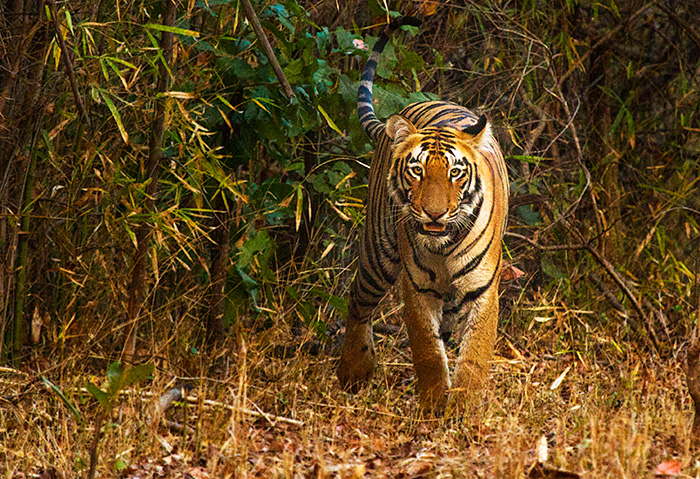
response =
{"points": [[433, 228]]}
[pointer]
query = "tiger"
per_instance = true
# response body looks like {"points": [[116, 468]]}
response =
{"points": [[435, 217]]}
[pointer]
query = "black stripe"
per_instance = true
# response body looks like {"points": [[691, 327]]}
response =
{"points": [[363, 94], [363, 109], [378, 202], [377, 267], [380, 44], [366, 118], [365, 305], [443, 113], [376, 244], [456, 241], [460, 115], [471, 265], [477, 208], [462, 235], [422, 290], [488, 223], [415, 112], [442, 249], [370, 70], [416, 260], [360, 296], [396, 186], [473, 295], [367, 280]]}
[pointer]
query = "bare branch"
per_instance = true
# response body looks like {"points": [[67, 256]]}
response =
{"points": [[269, 53], [67, 62]]}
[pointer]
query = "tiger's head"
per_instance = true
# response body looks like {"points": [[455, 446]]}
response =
{"points": [[434, 178]]}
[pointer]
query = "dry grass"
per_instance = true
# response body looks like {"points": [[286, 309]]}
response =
{"points": [[604, 412]]}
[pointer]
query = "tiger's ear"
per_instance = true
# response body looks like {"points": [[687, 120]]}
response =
{"points": [[398, 128], [478, 130]]}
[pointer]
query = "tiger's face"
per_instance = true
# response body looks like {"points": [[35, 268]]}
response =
{"points": [[434, 179]]}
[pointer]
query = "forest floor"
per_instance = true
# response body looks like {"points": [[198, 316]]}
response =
{"points": [[591, 413]]}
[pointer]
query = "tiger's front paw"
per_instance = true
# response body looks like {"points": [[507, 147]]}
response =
{"points": [[433, 398], [356, 367]]}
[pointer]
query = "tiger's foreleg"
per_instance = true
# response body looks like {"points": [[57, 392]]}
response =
{"points": [[478, 338], [422, 315]]}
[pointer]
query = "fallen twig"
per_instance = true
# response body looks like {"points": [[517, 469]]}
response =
{"points": [[180, 394], [269, 417]]}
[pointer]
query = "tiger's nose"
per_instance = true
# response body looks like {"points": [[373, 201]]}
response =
{"points": [[435, 213]]}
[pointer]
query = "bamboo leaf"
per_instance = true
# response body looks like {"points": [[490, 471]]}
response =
{"points": [[300, 204], [175, 30], [123, 62], [330, 121], [182, 95], [225, 102], [255, 100], [71, 407], [69, 21], [117, 117], [131, 235]]}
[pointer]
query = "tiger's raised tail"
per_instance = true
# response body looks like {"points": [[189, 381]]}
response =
{"points": [[369, 121]]}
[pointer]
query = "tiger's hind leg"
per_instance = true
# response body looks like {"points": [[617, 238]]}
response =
{"points": [[358, 356]]}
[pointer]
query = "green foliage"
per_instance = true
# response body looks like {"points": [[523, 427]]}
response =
{"points": [[596, 104], [118, 379], [251, 119]]}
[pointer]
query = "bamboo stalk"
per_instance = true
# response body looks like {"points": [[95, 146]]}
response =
{"points": [[220, 256], [23, 259], [138, 273]]}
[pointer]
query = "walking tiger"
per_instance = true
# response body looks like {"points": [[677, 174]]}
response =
{"points": [[436, 214]]}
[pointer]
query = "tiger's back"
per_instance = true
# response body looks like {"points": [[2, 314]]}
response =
{"points": [[436, 213]]}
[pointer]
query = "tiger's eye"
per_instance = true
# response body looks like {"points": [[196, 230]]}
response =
{"points": [[455, 173], [416, 170]]}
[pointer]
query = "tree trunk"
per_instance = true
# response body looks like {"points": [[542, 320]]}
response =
{"points": [[602, 155]]}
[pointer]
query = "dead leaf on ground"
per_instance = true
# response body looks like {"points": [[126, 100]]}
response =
{"points": [[668, 468], [510, 272], [197, 473]]}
